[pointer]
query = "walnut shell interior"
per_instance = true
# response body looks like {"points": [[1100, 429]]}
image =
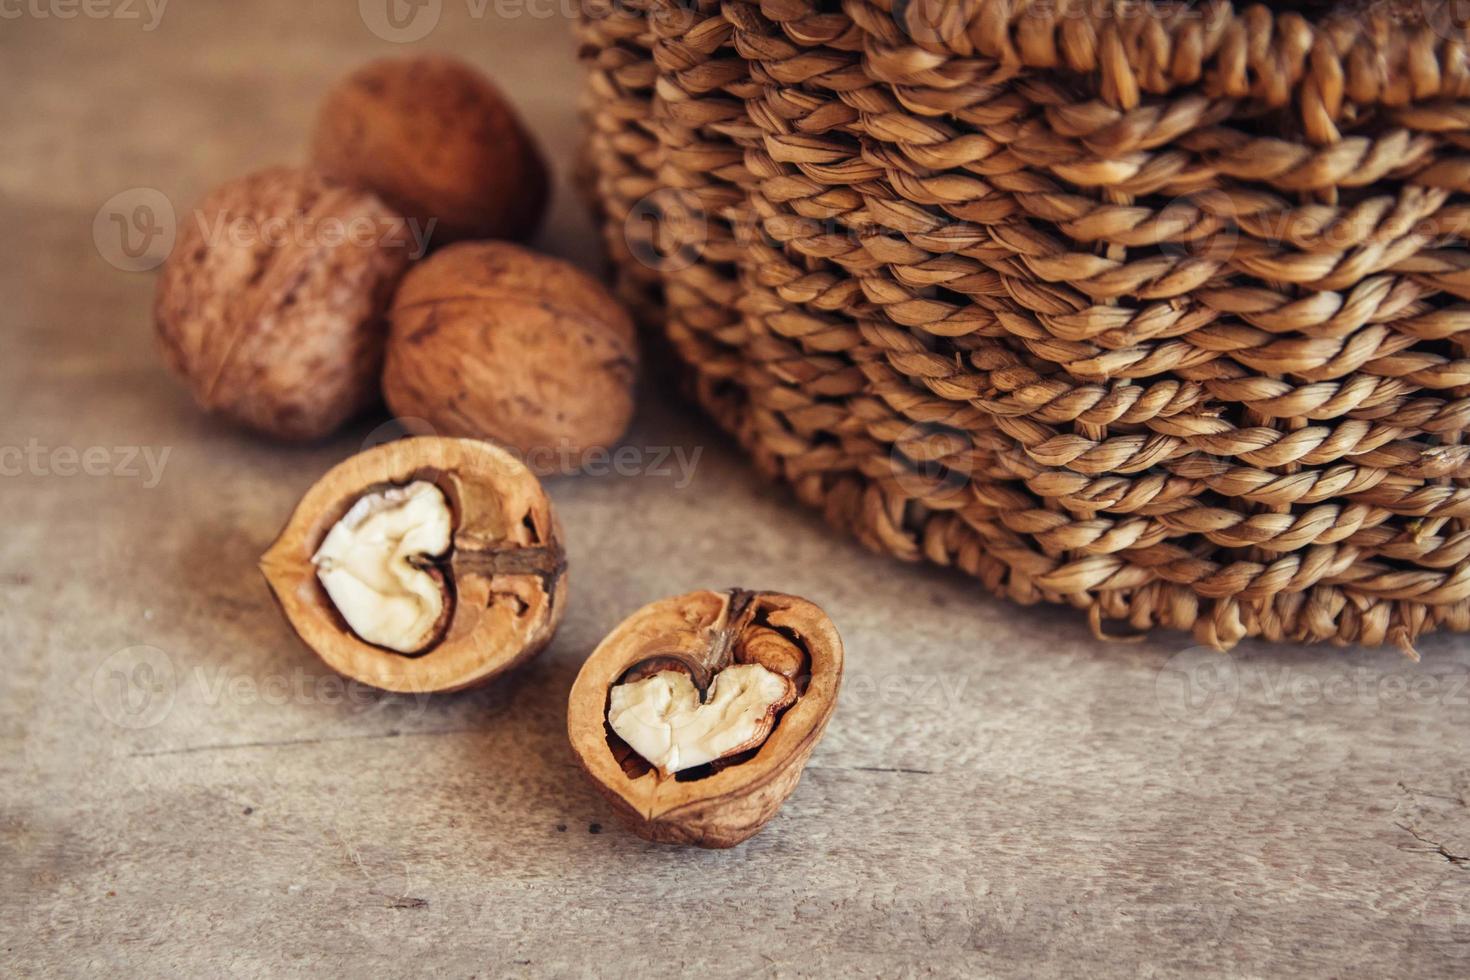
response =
{"points": [[701, 633], [505, 571]]}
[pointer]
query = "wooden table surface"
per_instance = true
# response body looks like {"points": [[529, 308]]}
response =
{"points": [[188, 791]]}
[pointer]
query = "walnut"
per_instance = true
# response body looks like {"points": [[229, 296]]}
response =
{"points": [[271, 305], [436, 140], [492, 340], [426, 564], [697, 714]]}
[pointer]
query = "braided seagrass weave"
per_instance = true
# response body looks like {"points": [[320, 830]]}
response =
{"points": [[1159, 310]]}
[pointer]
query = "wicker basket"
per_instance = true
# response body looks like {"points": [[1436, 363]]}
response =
{"points": [[1155, 309]]}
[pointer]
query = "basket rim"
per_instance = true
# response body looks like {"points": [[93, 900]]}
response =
{"points": [[1359, 53]]}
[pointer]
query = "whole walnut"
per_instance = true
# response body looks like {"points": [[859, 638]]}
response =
{"points": [[492, 340], [437, 141], [272, 304]]}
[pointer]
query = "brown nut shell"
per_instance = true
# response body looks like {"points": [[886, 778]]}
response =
{"points": [[492, 340], [506, 567], [272, 304], [439, 142], [701, 633]]}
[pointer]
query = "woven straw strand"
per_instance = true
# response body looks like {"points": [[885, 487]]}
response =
{"points": [[1161, 311]]}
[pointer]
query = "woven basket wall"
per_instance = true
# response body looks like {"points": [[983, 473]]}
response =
{"points": [[1157, 311]]}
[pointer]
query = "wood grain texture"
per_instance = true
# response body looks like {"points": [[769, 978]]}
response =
{"points": [[188, 791]]}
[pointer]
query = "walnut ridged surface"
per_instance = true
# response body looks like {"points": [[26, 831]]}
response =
{"points": [[492, 340], [272, 305], [439, 142]]}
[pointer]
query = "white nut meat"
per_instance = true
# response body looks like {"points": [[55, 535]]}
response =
{"points": [[367, 565], [661, 717]]}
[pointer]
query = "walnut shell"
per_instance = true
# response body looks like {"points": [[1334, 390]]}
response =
{"points": [[492, 340], [437, 140], [504, 574], [271, 305], [702, 633]]}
